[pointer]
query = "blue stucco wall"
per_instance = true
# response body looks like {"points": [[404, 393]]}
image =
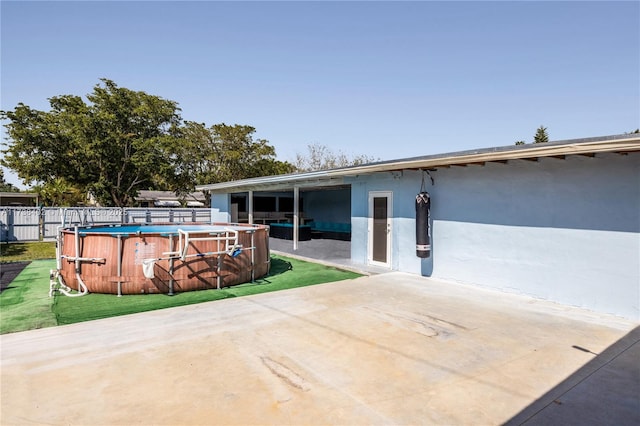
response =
{"points": [[562, 230], [222, 202], [404, 187]]}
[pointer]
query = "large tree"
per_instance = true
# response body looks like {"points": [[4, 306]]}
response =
{"points": [[223, 153], [110, 147], [123, 141], [240, 156]]}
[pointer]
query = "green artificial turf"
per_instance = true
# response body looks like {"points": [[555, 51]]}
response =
{"points": [[25, 304]]}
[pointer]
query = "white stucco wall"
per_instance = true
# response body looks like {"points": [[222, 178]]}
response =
{"points": [[563, 230]]}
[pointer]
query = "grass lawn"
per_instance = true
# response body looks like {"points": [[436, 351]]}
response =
{"points": [[16, 252], [25, 304]]}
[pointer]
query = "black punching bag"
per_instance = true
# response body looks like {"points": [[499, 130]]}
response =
{"points": [[423, 237]]}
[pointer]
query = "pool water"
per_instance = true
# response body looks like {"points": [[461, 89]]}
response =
{"points": [[157, 229]]}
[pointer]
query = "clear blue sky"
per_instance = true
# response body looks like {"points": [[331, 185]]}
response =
{"points": [[387, 79]]}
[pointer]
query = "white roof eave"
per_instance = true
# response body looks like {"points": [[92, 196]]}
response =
{"points": [[626, 143]]}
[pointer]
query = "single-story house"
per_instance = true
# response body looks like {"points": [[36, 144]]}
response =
{"points": [[557, 220], [169, 199], [18, 199]]}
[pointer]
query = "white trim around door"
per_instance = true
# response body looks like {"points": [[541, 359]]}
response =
{"points": [[379, 228]]}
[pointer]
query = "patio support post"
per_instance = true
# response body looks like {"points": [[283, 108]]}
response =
{"points": [[250, 207], [296, 218]]}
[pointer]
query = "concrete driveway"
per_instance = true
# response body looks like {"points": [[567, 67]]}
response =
{"points": [[387, 349]]}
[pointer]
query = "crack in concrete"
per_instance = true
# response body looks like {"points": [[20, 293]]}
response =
{"points": [[440, 320], [287, 375], [416, 325]]}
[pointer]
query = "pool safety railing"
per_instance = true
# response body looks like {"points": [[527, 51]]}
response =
{"points": [[231, 248], [229, 236]]}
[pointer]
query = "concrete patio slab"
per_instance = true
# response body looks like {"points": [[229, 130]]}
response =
{"points": [[386, 349], [334, 253]]}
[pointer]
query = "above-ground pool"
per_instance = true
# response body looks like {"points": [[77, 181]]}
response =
{"points": [[161, 258]]}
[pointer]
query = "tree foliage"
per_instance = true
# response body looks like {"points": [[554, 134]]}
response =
{"points": [[541, 135], [222, 153], [110, 147], [122, 141], [59, 193], [239, 156], [6, 186], [321, 157]]}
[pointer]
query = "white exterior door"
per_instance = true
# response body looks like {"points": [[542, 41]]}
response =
{"points": [[379, 228]]}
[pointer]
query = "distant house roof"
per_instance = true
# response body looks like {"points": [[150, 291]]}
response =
{"points": [[559, 149], [170, 199]]}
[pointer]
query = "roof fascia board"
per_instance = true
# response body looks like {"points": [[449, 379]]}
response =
{"points": [[498, 154], [626, 143], [274, 185]]}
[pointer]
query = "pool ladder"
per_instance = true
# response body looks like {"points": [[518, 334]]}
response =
{"points": [[232, 248], [230, 237]]}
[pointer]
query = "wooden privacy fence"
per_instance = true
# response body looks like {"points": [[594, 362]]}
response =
{"points": [[19, 224]]}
